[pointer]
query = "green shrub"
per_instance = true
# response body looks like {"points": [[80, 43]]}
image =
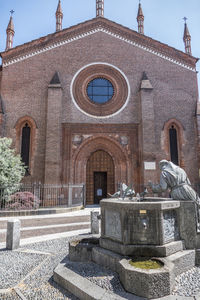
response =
{"points": [[12, 170]]}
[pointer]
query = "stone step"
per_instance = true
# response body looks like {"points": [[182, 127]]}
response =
{"points": [[142, 250], [183, 261], [34, 222], [40, 211], [34, 232]]}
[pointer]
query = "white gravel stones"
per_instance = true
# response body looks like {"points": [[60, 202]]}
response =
{"points": [[15, 266], [11, 296], [35, 269], [188, 283]]}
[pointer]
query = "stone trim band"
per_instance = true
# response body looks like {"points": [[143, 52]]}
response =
{"points": [[100, 29]]}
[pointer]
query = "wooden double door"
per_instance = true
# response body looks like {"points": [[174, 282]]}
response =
{"points": [[99, 177], [100, 186]]}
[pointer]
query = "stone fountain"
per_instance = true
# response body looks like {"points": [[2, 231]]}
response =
{"points": [[162, 229]]}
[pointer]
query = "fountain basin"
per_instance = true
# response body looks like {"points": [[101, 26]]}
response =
{"points": [[126, 224], [148, 283]]}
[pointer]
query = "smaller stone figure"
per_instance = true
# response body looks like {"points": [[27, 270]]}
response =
{"points": [[144, 193], [124, 191]]}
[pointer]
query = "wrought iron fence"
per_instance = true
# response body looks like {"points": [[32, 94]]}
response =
{"points": [[37, 195]]}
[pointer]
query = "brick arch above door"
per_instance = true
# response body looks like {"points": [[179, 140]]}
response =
{"points": [[120, 159], [100, 166]]}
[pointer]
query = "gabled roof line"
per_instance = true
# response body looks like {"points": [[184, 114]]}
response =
{"points": [[99, 29]]}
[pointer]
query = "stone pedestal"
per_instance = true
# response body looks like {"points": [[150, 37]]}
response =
{"points": [[94, 217], [13, 234], [127, 225]]}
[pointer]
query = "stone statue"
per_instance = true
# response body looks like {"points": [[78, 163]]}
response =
{"points": [[175, 178]]}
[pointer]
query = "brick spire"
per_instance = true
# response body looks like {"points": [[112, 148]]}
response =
{"points": [[187, 39], [10, 32], [59, 17], [99, 8], [140, 19]]}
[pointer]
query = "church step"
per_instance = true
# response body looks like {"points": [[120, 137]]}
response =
{"points": [[34, 222], [47, 230]]}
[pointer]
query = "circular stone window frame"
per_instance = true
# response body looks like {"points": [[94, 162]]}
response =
{"points": [[107, 71]]}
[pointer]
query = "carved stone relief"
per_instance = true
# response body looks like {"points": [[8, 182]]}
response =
{"points": [[113, 224], [170, 226]]}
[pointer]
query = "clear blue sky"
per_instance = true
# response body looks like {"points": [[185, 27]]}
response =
{"points": [[163, 18]]}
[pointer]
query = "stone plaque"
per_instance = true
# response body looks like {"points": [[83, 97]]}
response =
{"points": [[149, 165], [113, 224]]}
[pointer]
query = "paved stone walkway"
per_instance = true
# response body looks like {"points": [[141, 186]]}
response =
{"points": [[49, 226]]}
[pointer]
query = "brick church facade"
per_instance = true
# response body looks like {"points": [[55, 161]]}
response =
{"points": [[100, 104]]}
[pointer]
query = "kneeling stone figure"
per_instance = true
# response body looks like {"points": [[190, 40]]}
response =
{"points": [[175, 178]]}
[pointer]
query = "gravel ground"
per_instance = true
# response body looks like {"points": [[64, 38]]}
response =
{"points": [[188, 283], [36, 270], [9, 296], [30, 270], [103, 277], [17, 263]]}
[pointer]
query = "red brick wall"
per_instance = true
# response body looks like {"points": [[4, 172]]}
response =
{"points": [[24, 90]]}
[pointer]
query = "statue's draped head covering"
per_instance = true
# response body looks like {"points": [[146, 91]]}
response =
{"points": [[173, 169], [166, 165]]}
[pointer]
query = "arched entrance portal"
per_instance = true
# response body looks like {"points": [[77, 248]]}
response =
{"points": [[99, 176]]}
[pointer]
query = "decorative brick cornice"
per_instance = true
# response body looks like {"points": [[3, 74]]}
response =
{"points": [[91, 27]]}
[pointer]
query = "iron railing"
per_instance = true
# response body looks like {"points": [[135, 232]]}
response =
{"points": [[37, 195]]}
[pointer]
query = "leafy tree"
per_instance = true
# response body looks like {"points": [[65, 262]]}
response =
{"points": [[12, 170]]}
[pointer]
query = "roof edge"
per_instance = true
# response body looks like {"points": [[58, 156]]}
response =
{"points": [[116, 28]]}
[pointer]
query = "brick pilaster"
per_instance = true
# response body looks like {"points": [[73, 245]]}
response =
{"points": [[53, 135], [147, 131]]}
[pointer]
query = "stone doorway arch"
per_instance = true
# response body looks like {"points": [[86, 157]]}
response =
{"points": [[121, 163], [100, 176]]}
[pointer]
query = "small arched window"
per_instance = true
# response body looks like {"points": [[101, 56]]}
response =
{"points": [[25, 145], [173, 141], [26, 141]]}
